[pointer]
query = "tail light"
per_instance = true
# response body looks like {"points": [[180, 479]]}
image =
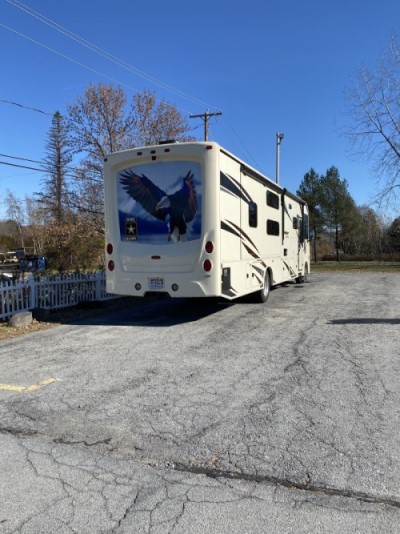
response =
{"points": [[110, 248], [111, 265], [209, 247], [207, 265]]}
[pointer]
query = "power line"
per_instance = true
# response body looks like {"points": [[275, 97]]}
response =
{"points": [[244, 146], [79, 172], [94, 48], [20, 166], [41, 162], [21, 159], [24, 107], [63, 55], [104, 53]]}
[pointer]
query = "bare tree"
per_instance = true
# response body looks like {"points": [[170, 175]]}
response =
{"points": [[36, 225], [370, 235], [100, 123], [157, 121], [374, 109], [16, 213]]}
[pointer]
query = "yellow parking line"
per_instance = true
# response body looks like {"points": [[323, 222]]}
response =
{"points": [[34, 387]]}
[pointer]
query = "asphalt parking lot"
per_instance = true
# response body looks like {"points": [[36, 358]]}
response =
{"points": [[181, 416]]}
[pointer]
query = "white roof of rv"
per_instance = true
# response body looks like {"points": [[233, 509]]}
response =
{"points": [[246, 167]]}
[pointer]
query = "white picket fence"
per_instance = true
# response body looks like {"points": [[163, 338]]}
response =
{"points": [[51, 292]]}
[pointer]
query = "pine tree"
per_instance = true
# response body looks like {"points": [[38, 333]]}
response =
{"points": [[309, 191], [55, 195], [337, 206]]}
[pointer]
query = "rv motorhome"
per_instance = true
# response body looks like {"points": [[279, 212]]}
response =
{"points": [[193, 220]]}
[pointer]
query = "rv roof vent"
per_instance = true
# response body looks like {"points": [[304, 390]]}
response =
{"points": [[167, 141]]}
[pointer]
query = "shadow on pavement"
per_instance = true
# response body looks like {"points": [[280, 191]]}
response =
{"points": [[140, 312], [365, 320]]}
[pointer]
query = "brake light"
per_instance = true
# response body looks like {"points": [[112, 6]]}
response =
{"points": [[209, 247], [111, 265], [110, 248], [207, 265]]}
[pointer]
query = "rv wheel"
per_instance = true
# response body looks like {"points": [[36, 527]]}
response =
{"points": [[263, 294], [302, 278]]}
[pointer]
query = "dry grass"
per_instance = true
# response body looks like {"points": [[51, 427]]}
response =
{"points": [[358, 266]]}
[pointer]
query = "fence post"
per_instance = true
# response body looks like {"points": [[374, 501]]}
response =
{"points": [[32, 293], [99, 276]]}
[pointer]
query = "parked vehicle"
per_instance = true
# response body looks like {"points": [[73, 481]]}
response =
{"points": [[193, 220], [8, 257]]}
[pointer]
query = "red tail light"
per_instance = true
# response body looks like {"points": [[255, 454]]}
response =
{"points": [[209, 247], [110, 248], [207, 265], [111, 265]]}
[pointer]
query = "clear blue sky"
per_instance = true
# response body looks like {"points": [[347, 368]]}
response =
{"points": [[268, 66]]}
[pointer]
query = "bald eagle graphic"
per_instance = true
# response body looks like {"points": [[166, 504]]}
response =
{"points": [[176, 209]]}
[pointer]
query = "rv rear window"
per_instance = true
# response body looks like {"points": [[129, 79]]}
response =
{"points": [[253, 214], [272, 227], [272, 200]]}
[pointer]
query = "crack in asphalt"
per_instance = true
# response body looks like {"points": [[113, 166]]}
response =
{"points": [[284, 482], [63, 441], [17, 432]]}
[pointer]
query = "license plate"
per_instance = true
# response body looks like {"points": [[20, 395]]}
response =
{"points": [[156, 283]]}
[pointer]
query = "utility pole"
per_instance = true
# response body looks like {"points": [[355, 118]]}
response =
{"points": [[279, 137], [205, 116]]}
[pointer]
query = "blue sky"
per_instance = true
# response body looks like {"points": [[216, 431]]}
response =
{"points": [[268, 66]]}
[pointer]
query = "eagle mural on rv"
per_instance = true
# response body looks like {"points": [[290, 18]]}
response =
{"points": [[176, 209]]}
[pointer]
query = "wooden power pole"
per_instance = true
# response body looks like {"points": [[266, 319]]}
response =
{"points": [[205, 116]]}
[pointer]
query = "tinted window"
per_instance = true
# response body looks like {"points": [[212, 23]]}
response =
{"points": [[305, 234], [272, 227], [272, 200], [253, 214]]}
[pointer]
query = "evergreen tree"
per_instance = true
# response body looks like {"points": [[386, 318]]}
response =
{"points": [[309, 191], [55, 195], [393, 234], [337, 206]]}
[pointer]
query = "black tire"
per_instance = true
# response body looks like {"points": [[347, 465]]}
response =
{"points": [[302, 279], [262, 295]]}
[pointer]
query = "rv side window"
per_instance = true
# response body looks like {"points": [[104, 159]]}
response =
{"points": [[253, 214], [295, 223], [272, 200], [272, 227], [305, 234], [306, 231]]}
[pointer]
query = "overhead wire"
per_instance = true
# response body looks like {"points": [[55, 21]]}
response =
{"points": [[94, 48], [105, 53], [69, 174], [243, 145], [24, 107], [64, 55]]}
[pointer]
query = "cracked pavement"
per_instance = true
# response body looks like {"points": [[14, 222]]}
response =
{"points": [[181, 416]]}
